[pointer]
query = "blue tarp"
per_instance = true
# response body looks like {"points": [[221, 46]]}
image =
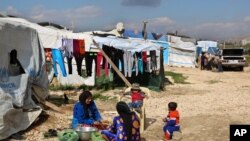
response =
{"points": [[157, 38], [198, 51], [213, 50], [210, 50], [150, 35], [165, 45]]}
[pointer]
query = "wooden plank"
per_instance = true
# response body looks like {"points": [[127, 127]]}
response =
{"points": [[113, 65], [53, 106], [38, 94]]}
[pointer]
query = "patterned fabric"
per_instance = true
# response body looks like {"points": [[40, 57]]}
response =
{"points": [[116, 130], [172, 124], [79, 117]]}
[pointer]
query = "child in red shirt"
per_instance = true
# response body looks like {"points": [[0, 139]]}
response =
{"points": [[171, 121], [137, 96]]}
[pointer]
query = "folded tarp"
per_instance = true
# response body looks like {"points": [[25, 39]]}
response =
{"points": [[176, 42]]}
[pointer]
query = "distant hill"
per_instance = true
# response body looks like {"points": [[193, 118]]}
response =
{"points": [[238, 38]]}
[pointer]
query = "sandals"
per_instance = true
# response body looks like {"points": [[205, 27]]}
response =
{"points": [[50, 133]]}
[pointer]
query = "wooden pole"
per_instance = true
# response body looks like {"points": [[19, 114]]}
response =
{"points": [[38, 92], [113, 65]]}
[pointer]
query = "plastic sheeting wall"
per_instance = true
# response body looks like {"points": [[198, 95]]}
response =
{"points": [[181, 54], [181, 58], [16, 90]]}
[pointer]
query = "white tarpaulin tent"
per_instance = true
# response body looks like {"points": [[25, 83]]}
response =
{"points": [[206, 44], [181, 54], [52, 38], [16, 90]]}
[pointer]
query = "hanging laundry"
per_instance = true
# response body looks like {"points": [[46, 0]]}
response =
{"points": [[89, 57], [144, 56], [119, 60], [76, 48], [69, 61], [98, 64], [153, 60], [128, 63], [67, 47], [78, 53], [135, 64], [57, 58], [68, 52], [81, 47], [140, 62], [79, 60]]}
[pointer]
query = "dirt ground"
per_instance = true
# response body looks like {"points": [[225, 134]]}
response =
{"points": [[207, 105]]}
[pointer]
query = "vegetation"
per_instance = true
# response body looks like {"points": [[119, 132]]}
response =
{"points": [[61, 87], [60, 100], [71, 87], [248, 59], [84, 87], [247, 46], [102, 97], [178, 77]]}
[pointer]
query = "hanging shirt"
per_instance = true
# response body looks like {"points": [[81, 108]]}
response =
{"points": [[137, 96], [76, 48], [81, 47], [68, 47]]}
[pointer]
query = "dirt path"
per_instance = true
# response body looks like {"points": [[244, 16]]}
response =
{"points": [[208, 105]]}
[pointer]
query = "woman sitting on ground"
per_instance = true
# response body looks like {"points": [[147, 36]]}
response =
{"points": [[125, 126], [85, 112]]}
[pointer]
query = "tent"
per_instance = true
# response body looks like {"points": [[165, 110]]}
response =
{"points": [[17, 105], [52, 38], [205, 45], [213, 50], [152, 79], [181, 54]]}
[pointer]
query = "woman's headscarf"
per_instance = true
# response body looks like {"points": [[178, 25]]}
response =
{"points": [[126, 114], [82, 98]]}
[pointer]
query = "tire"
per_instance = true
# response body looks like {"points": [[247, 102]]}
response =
{"points": [[241, 68]]}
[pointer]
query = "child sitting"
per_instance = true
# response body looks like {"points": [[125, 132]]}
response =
{"points": [[172, 121], [137, 97]]}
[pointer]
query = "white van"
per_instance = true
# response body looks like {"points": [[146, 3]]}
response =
{"points": [[233, 58]]}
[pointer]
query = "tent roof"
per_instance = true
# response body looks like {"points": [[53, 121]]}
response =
{"points": [[52, 24], [127, 44], [49, 37]]}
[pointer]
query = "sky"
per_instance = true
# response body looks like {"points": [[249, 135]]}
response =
{"points": [[200, 19]]}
